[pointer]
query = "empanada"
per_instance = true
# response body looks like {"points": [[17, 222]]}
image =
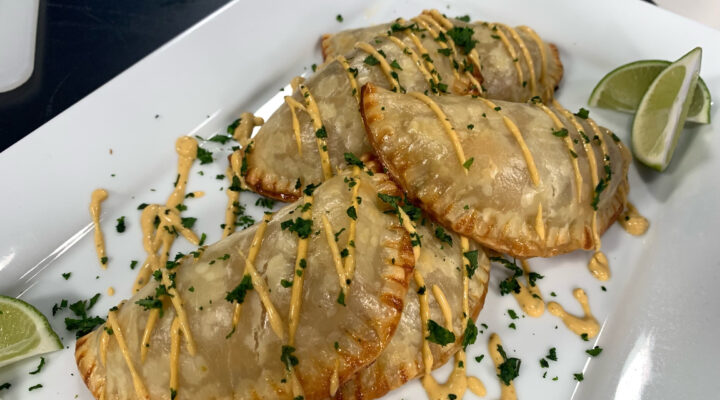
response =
{"points": [[441, 265], [234, 336], [306, 139], [523, 179]]}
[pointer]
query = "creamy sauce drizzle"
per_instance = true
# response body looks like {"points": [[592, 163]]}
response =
{"points": [[351, 77], [350, 259], [578, 325], [568, 142], [543, 56], [299, 276], [526, 56], [245, 126], [335, 252], [174, 353], [529, 298], [416, 60], [233, 196], [111, 291], [98, 196], [511, 50], [386, 68], [452, 135], [631, 220], [540, 223], [314, 113], [292, 105], [529, 160], [507, 392], [599, 267], [140, 389]]}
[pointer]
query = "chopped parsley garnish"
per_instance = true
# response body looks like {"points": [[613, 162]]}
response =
{"points": [[395, 65], [512, 326], [533, 277], [444, 237], [560, 133], [509, 369], [544, 363], [237, 295], [468, 162], [601, 186], [595, 351], [236, 185], [303, 227], [57, 307], [579, 377], [371, 60], [120, 226], [38, 386], [286, 283], [352, 213], [573, 154], [421, 290], [150, 302], [222, 139], [337, 234], [446, 52], [438, 334], [287, 357], [103, 260], [142, 206], [231, 128], [352, 159], [188, 222], [84, 324], [583, 113], [204, 156], [341, 297], [512, 314], [552, 354], [396, 27], [39, 367], [310, 189], [321, 133], [314, 67], [202, 239], [66, 275], [339, 18], [470, 334], [5, 385], [463, 18], [479, 358], [472, 257], [265, 202], [470, 126], [498, 108], [510, 284]]}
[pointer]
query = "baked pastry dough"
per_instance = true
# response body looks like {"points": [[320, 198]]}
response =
{"points": [[204, 346], [523, 179], [441, 265], [307, 137]]}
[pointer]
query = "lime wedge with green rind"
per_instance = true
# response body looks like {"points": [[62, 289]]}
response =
{"points": [[663, 109], [622, 89], [24, 332]]}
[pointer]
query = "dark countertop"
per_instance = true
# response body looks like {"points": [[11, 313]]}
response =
{"points": [[82, 44]]}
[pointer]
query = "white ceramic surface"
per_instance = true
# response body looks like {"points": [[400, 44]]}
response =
{"points": [[18, 24], [660, 310]]}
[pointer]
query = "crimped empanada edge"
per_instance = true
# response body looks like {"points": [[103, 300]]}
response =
{"points": [[88, 363], [470, 225]]}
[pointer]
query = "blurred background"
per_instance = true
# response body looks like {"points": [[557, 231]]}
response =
{"points": [[81, 44]]}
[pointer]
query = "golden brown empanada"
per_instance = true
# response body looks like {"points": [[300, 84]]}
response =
{"points": [[307, 138], [441, 265], [523, 179], [223, 329]]}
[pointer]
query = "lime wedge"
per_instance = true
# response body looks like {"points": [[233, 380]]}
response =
{"points": [[623, 88], [24, 331], [663, 109]]}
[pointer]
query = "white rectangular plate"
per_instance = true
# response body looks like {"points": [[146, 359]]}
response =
{"points": [[659, 313]]}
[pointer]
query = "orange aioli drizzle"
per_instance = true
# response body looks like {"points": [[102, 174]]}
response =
{"points": [[452, 134], [314, 113], [233, 196], [386, 68], [526, 56], [351, 77], [529, 298], [578, 325], [569, 144], [174, 354], [335, 252], [246, 123], [511, 50], [541, 46], [416, 60], [98, 196], [350, 259], [299, 276], [292, 105], [140, 389], [631, 220], [507, 392], [529, 160]]}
